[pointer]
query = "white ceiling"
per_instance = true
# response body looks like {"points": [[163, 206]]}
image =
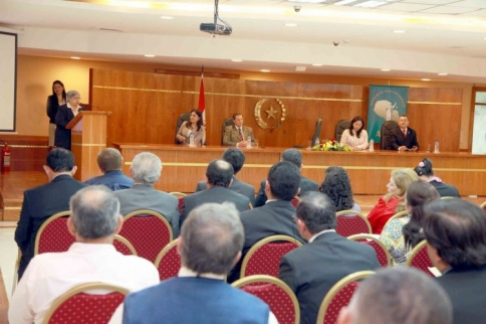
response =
{"points": [[440, 35]]}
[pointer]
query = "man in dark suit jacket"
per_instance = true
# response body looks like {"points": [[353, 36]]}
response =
{"points": [[311, 270], [305, 185], [237, 135], [456, 244], [44, 201], [110, 163], [219, 175], [403, 137], [236, 158], [275, 218]]}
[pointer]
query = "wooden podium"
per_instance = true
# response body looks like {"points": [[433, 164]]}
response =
{"points": [[88, 138]]}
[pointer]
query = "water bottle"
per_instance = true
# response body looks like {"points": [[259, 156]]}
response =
{"points": [[191, 140], [248, 141], [316, 143], [436, 147], [371, 148]]}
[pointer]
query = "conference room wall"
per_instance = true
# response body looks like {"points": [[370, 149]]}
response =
{"points": [[148, 106]]}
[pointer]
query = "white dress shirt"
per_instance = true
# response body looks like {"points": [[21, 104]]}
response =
{"points": [[184, 272], [49, 275], [353, 141]]}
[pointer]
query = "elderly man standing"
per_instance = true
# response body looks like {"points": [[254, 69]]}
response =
{"points": [[110, 163], [94, 222], [210, 244], [145, 170]]}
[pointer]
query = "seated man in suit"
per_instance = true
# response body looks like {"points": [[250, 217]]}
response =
{"points": [[403, 138], [95, 219], [398, 296], [110, 163], [46, 200], [236, 158], [145, 170], [237, 135], [219, 175], [293, 156], [275, 218], [455, 231], [311, 270], [210, 244]]}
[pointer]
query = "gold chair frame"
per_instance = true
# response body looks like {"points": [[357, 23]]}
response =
{"points": [[127, 243], [447, 198], [349, 212], [369, 237], [151, 213], [178, 194], [45, 224], [483, 205], [79, 289], [360, 275], [415, 251], [259, 244], [397, 215], [271, 280], [164, 251]]}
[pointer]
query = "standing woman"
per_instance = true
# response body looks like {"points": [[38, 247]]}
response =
{"points": [[58, 98], [356, 136], [64, 115], [193, 126]]}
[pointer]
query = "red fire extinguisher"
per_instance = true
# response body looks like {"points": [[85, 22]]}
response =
{"points": [[5, 158]]}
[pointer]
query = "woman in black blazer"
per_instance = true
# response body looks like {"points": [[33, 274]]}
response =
{"points": [[64, 115], [425, 172], [58, 98]]}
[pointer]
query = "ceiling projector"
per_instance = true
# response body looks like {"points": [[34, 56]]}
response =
{"points": [[218, 27]]}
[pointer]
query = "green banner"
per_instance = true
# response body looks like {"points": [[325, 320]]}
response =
{"points": [[385, 103]]}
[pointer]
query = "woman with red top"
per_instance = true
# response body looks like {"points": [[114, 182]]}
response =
{"points": [[393, 201]]}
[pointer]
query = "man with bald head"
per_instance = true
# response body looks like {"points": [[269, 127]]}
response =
{"points": [[219, 176], [110, 163]]}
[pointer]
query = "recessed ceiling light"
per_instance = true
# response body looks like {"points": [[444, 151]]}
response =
{"points": [[290, 24], [167, 17], [343, 2], [385, 70], [264, 70], [398, 31], [149, 55], [442, 74], [425, 79], [371, 4], [237, 60], [317, 64], [75, 57]]}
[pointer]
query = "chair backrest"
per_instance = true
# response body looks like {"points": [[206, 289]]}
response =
{"points": [[148, 231], [227, 122], [123, 246], [387, 128], [483, 206], [264, 257], [295, 201], [382, 254], [398, 215], [341, 126], [351, 222], [419, 258], [168, 261], [275, 293], [77, 307], [180, 196], [53, 235], [182, 118], [317, 130], [339, 296]]}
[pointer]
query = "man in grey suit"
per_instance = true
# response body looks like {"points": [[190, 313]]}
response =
{"points": [[145, 170], [219, 175], [305, 185], [236, 158]]}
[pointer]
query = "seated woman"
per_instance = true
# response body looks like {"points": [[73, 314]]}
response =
{"points": [[355, 137], [401, 235], [425, 172], [194, 126], [393, 201], [336, 186]]}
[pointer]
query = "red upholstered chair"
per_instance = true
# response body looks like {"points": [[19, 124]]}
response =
{"points": [[295, 201], [419, 258], [350, 222], [53, 235], [483, 206], [168, 261], [264, 257], [123, 246], [180, 196], [382, 254], [339, 296], [275, 293], [77, 307], [148, 231]]}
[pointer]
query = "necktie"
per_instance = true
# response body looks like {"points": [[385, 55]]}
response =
{"points": [[404, 133], [240, 134]]}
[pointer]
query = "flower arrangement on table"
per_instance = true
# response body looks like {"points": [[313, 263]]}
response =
{"points": [[332, 145]]}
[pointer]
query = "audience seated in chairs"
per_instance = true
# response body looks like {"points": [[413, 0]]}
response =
{"points": [[393, 201], [455, 231], [94, 222], [311, 271], [237, 134], [275, 218], [210, 244], [398, 296], [219, 176], [42, 202], [336, 185], [295, 157], [110, 163], [236, 158], [145, 170], [402, 234], [425, 172]]}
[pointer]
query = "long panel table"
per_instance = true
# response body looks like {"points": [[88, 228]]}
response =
{"points": [[369, 171]]}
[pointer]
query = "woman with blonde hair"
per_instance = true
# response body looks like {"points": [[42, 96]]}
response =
{"points": [[392, 202]]}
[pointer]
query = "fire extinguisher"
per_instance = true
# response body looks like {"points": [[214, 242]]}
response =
{"points": [[5, 158]]}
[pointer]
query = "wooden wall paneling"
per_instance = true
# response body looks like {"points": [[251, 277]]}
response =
{"points": [[28, 153]]}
